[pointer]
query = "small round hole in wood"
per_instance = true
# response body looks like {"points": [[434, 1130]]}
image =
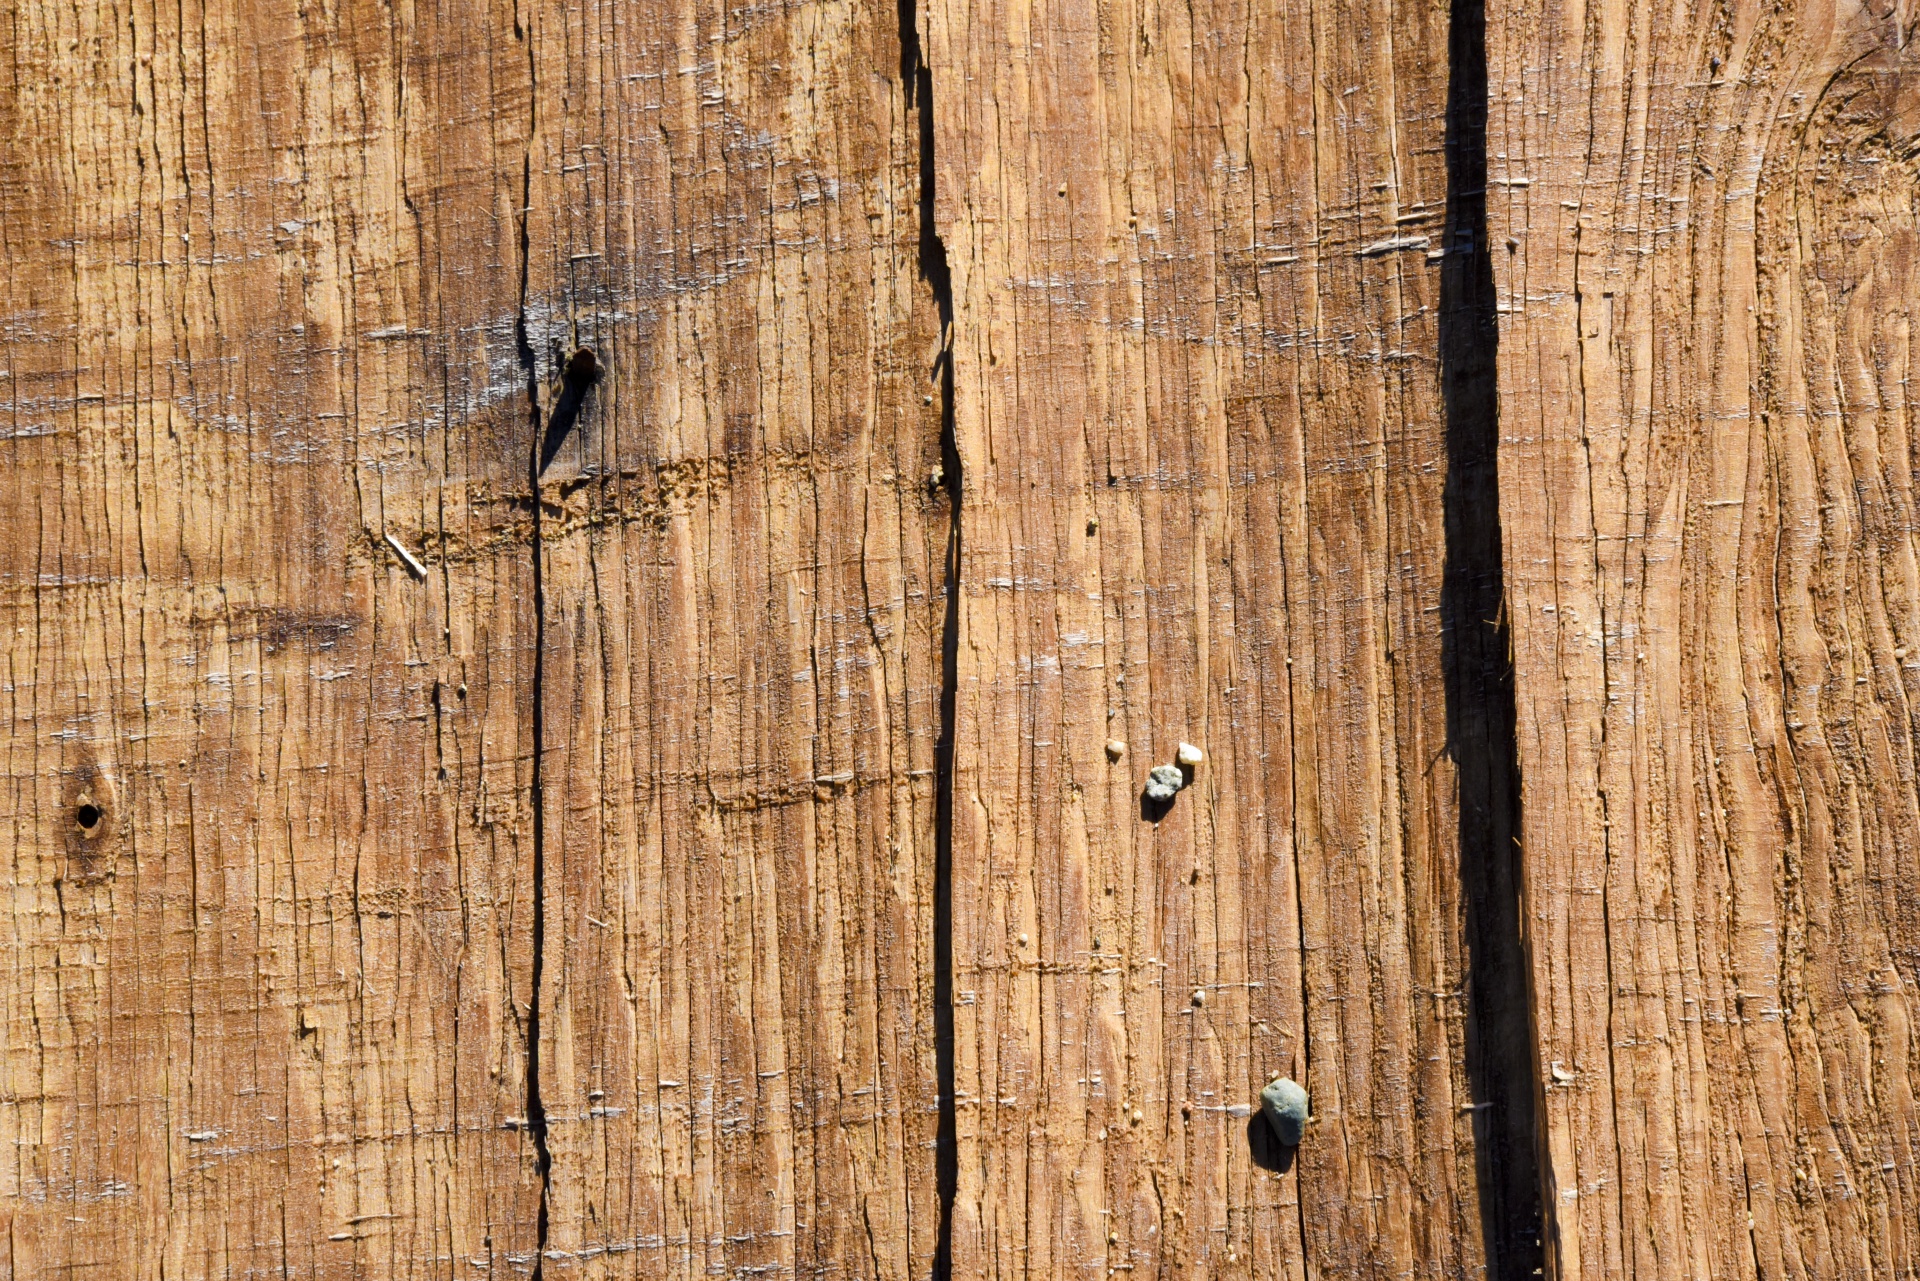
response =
{"points": [[88, 816]]}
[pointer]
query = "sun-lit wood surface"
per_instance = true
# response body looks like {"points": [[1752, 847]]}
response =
{"points": [[1704, 225], [590, 590]]}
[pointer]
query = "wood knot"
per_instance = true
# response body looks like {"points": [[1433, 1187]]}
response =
{"points": [[88, 818]]}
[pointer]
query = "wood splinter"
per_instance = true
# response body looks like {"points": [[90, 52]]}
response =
{"points": [[407, 558]]}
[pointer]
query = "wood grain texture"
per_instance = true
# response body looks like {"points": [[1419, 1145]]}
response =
{"points": [[280, 286], [743, 586], [467, 822], [1196, 257], [1707, 466], [263, 1015]]}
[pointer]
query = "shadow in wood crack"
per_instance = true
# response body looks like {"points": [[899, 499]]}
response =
{"points": [[583, 370], [936, 273], [1477, 661]]}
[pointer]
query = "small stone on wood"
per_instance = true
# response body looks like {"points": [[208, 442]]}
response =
{"points": [[1164, 782], [1189, 755], [1115, 749], [1285, 1105]]}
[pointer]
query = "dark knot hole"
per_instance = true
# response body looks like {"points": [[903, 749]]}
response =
{"points": [[88, 816]]}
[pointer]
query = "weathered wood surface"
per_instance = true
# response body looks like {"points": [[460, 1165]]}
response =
{"points": [[1704, 224], [265, 1014], [742, 573], [282, 285], [596, 896], [1197, 257]]}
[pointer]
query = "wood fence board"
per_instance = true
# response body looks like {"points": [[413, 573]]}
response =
{"points": [[1197, 261], [260, 1015], [1706, 466], [743, 580]]}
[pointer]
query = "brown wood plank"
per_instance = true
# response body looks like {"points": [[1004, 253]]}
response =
{"points": [[647, 769], [258, 1017], [1197, 257], [1706, 289], [742, 578]]}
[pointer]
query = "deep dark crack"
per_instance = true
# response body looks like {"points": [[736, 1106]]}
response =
{"points": [[917, 78], [1477, 660], [536, 462]]}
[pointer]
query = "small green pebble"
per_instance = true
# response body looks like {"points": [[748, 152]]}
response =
{"points": [[1286, 1107]]}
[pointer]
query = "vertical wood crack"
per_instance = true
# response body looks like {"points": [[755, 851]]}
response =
{"points": [[917, 79], [1477, 662], [536, 459]]}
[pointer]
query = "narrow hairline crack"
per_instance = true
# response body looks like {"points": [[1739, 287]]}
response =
{"points": [[536, 1120]]}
